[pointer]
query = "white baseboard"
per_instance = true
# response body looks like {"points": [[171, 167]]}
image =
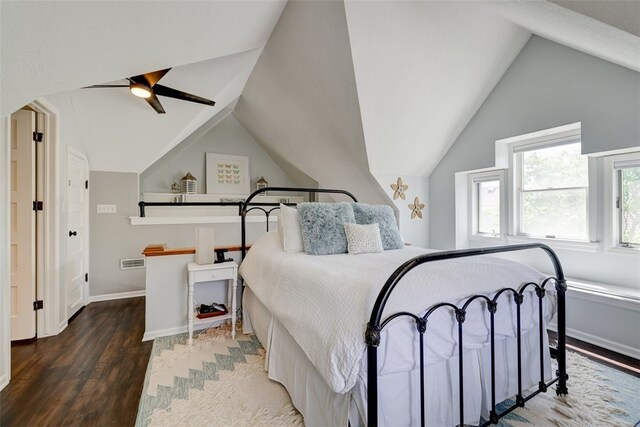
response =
{"points": [[151, 335], [62, 326], [120, 295], [4, 381], [600, 342]]}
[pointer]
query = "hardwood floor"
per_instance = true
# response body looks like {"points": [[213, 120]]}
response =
{"points": [[618, 361], [90, 374]]}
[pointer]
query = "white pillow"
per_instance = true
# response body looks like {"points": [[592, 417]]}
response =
{"points": [[363, 238], [289, 227]]}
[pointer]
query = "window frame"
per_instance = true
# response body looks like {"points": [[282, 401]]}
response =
{"points": [[473, 181], [546, 139], [613, 165]]}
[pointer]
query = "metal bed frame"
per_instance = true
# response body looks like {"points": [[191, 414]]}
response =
{"points": [[377, 323]]}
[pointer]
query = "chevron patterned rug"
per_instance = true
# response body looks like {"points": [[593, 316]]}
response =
{"points": [[222, 382]]}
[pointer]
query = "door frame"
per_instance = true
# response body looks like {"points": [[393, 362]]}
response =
{"points": [[85, 286], [48, 319]]}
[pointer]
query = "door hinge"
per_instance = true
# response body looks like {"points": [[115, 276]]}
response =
{"points": [[86, 184], [37, 205], [37, 136], [86, 277], [38, 305]]}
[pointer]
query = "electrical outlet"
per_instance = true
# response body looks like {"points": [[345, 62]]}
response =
{"points": [[106, 209]]}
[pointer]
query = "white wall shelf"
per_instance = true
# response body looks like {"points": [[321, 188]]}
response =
{"points": [[218, 219]]}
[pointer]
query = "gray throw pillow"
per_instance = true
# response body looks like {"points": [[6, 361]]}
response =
{"points": [[383, 215], [322, 227]]}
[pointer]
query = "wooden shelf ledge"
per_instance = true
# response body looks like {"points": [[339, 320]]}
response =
{"points": [[152, 250]]}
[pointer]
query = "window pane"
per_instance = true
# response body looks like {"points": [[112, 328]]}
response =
{"points": [[489, 207], [557, 213], [630, 204], [554, 167]]}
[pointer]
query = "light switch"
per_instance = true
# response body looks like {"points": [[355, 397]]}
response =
{"points": [[106, 208]]}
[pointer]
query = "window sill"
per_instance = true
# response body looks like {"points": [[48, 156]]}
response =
{"points": [[558, 244], [623, 250], [481, 238]]}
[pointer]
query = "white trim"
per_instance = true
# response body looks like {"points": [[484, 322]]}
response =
{"points": [[49, 288], [63, 325], [120, 295], [169, 220], [4, 381], [5, 320], [473, 179], [85, 286], [574, 245], [611, 225], [600, 342], [151, 335]]}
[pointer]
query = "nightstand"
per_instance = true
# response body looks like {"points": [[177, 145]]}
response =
{"points": [[226, 271]]}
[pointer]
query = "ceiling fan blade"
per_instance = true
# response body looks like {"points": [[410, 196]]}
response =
{"points": [[155, 103], [103, 86], [177, 94], [154, 76]]}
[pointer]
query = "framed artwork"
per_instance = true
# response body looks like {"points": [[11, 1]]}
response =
{"points": [[227, 174]]}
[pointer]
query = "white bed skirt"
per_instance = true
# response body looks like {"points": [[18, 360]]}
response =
{"points": [[399, 392]]}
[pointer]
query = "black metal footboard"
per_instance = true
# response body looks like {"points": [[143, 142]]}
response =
{"points": [[377, 324]]}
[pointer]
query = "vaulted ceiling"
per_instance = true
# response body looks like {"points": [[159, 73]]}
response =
{"points": [[339, 90]]}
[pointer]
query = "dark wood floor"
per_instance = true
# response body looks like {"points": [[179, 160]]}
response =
{"points": [[90, 374], [618, 361], [93, 372]]}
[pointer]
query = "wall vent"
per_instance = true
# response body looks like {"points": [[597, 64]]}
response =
{"points": [[128, 264]]}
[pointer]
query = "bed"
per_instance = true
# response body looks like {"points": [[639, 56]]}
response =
{"points": [[324, 320]]}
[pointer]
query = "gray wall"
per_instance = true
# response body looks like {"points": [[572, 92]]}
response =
{"points": [[547, 85], [112, 236], [227, 137]]}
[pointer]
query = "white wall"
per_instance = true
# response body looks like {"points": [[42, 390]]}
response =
{"points": [[5, 355], [414, 231], [301, 101]]}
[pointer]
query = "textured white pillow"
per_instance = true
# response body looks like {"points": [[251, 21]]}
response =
{"points": [[363, 238], [289, 227]]}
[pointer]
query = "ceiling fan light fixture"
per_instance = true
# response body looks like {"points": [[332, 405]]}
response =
{"points": [[140, 90]]}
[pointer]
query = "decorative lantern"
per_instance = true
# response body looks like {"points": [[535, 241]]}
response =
{"points": [[262, 183], [189, 184], [175, 187]]}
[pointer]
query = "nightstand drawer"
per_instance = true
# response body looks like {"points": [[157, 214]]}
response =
{"points": [[212, 275]]}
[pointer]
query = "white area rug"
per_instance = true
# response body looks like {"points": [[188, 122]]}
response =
{"points": [[220, 381]]}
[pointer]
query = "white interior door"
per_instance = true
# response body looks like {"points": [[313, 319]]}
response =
{"points": [[22, 254], [77, 232]]}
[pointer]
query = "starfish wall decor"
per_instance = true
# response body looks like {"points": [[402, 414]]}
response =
{"points": [[416, 209], [399, 188]]}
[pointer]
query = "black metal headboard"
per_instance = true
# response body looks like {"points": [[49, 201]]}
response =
{"points": [[248, 205]]}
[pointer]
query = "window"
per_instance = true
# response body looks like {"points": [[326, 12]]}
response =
{"points": [[622, 191], [489, 207], [486, 203], [628, 205], [551, 189]]}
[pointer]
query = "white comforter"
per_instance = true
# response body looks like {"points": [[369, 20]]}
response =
{"points": [[325, 301]]}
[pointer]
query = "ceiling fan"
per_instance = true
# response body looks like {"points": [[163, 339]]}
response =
{"points": [[146, 86]]}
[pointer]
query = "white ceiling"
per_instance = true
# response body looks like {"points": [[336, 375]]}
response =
{"points": [[422, 71], [301, 101], [50, 47], [342, 88], [122, 133]]}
